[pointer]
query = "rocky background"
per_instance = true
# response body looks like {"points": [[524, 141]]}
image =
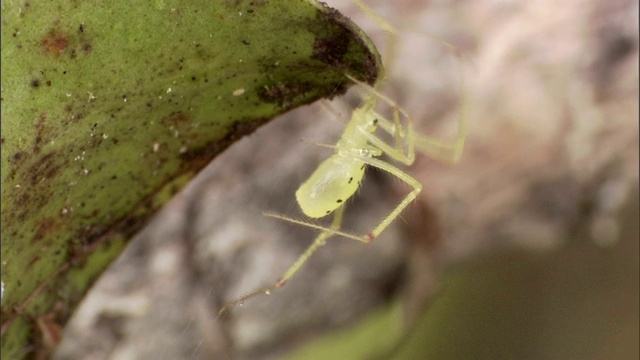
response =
{"points": [[543, 205]]}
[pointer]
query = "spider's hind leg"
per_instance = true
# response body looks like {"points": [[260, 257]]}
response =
{"points": [[317, 243]]}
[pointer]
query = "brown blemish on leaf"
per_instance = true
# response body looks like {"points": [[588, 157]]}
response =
{"points": [[55, 42], [40, 133], [28, 199], [22, 200], [90, 237], [43, 169], [332, 49], [175, 118], [283, 95], [18, 158], [45, 226], [33, 191]]}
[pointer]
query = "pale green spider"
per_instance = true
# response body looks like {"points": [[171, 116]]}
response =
{"points": [[338, 177]]}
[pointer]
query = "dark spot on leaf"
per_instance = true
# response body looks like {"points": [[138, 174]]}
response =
{"points": [[55, 42], [45, 226], [41, 132], [44, 168], [17, 160], [35, 83], [175, 118], [331, 50], [283, 95], [22, 201]]}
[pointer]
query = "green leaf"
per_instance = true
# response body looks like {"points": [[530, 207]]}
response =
{"points": [[110, 108]]}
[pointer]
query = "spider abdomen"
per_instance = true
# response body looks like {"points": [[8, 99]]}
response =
{"points": [[333, 182]]}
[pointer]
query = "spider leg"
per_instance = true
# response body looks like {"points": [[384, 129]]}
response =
{"points": [[317, 243], [443, 150], [392, 33], [415, 184]]}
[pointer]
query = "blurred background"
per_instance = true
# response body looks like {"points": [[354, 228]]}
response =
{"points": [[526, 249]]}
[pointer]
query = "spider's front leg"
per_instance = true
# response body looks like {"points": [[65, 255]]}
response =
{"points": [[416, 189], [404, 136]]}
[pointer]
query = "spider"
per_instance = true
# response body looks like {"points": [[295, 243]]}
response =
{"points": [[338, 177]]}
